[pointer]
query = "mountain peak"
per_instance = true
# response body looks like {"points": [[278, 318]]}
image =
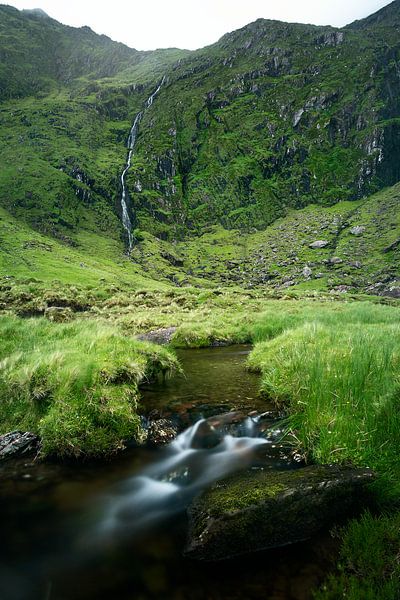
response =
{"points": [[387, 16], [36, 12]]}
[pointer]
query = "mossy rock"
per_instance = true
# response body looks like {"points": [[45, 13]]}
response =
{"points": [[257, 510]]}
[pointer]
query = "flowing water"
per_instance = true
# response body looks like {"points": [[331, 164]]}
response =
{"points": [[126, 220], [117, 530]]}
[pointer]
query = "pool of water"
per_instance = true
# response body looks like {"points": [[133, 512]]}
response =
{"points": [[213, 380], [48, 514]]}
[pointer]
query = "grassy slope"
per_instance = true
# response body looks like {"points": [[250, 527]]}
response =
{"points": [[277, 256], [225, 258], [68, 100], [230, 152]]}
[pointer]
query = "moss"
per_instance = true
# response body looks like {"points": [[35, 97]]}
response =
{"points": [[235, 495]]}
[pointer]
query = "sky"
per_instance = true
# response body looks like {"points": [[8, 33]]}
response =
{"points": [[191, 24]]}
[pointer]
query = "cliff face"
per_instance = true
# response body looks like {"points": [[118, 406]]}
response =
{"points": [[273, 116]]}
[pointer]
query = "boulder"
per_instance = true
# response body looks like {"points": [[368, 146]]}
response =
{"points": [[258, 509], [18, 443], [318, 244], [158, 336], [335, 260]]}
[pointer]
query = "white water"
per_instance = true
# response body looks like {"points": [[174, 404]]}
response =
{"points": [[188, 465], [126, 221]]}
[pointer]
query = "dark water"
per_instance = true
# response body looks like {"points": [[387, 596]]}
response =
{"points": [[214, 380], [48, 514]]}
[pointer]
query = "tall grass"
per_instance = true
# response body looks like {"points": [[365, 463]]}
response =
{"points": [[338, 373], [369, 567], [74, 384], [342, 387]]}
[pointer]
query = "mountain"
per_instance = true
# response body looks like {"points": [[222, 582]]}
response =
{"points": [[274, 120], [68, 97], [389, 16]]}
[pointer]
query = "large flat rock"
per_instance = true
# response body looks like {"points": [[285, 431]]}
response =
{"points": [[260, 509]]}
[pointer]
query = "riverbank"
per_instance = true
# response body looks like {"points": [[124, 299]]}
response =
{"points": [[337, 376], [76, 384], [331, 362]]}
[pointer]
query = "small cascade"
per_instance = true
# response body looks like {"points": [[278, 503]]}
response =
{"points": [[197, 458], [126, 221]]}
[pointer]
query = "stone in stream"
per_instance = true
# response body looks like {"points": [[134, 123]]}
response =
{"points": [[160, 432], [18, 443], [257, 509]]}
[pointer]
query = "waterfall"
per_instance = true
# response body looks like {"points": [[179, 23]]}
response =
{"points": [[126, 221]]}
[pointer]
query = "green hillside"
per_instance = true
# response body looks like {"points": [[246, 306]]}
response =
{"points": [[275, 128]]}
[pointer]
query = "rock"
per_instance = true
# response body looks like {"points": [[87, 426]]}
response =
{"points": [[393, 292], [257, 510], [357, 230], [335, 260], [356, 264], [319, 244], [307, 272], [158, 336], [297, 117], [207, 435], [160, 432], [394, 246], [58, 314], [18, 443], [341, 289], [332, 38]]}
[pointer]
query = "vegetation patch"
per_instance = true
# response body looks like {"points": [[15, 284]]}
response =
{"points": [[337, 373], [74, 384]]}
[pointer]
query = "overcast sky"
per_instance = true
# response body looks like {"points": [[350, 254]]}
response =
{"points": [[150, 24]]}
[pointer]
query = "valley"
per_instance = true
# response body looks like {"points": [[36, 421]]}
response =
{"points": [[161, 209]]}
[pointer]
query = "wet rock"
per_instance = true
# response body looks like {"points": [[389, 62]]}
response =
{"points": [[318, 244], [206, 436], [18, 443], [261, 509], [158, 336], [160, 432]]}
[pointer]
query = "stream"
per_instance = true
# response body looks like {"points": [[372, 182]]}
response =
{"points": [[117, 529]]}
